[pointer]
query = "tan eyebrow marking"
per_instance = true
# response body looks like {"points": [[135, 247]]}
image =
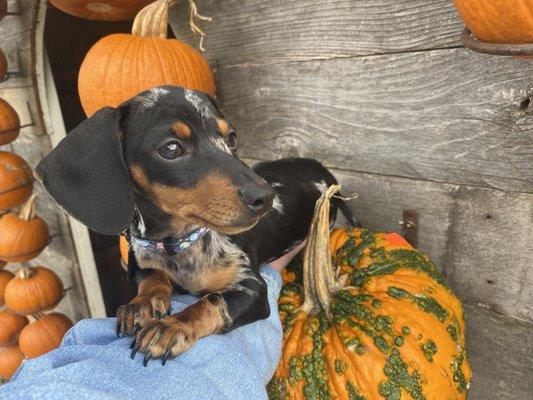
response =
{"points": [[181, 130], [223, 127]]}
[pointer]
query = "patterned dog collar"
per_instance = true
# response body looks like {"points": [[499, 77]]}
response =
{"points": [[171, 245]]}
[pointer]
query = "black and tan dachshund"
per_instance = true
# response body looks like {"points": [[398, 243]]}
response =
{"points": [[163, 168]]}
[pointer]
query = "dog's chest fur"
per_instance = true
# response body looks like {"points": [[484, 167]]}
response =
{"points": [[211, 264]]}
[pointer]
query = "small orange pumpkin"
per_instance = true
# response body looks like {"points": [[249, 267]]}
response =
{"points": [[16, 180], [33, 289], [9, 119], [492, 21], [5, 277], [3, 65], [24, 236], [119, 66], [10, 359], [44, 335], [10, 327], [101, 10]]}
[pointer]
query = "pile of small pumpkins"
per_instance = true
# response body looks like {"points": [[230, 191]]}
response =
{"points": [[29, 291], [367, 317]]}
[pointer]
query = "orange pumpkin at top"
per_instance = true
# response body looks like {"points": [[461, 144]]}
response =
{"points": [[16, 180], [119, 66], [509, 21], [24, 236], [101, 10], [9, 119]]}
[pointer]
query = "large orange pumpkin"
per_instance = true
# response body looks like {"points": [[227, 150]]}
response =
{"points": [[33, 289], [498, 21], [10, 359], [3, 66], [44, 335], [5, 277], [119, 66], [24, 236], [101, 10], [381, 324], [16, 180], [10, 327]]}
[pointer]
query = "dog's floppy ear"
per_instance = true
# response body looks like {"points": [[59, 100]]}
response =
{"points": [[87, 176]]}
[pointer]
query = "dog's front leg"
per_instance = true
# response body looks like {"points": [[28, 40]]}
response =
{"points": [[152, 301], [213, 313]]}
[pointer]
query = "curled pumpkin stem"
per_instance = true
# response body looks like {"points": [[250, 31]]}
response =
{"points": [[319, 276], [152, 20]]}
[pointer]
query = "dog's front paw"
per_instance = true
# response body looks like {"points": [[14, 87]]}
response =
{"points": [[164, 339], [142, 309]]}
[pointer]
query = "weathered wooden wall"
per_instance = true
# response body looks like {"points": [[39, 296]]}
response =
{"points": [[17, 41], [383, 92]]}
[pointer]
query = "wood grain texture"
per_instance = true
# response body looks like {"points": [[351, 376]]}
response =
{"points": [[500, 353], [445, 115], [490, 250], [258, 31]]}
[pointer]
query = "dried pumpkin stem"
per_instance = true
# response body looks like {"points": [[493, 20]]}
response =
{"points": [[37, 314], [28, 210], [24, 272], [319, 277], [152, 20]]}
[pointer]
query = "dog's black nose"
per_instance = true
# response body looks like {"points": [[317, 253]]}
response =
{"points": [[258, 199]]}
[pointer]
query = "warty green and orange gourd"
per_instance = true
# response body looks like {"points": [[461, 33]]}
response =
{"points": [[381, 325]]}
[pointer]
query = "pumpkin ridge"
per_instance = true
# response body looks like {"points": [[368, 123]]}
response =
{"points": [[123, 45], [184, 62], [127, 45], [161, 65]]}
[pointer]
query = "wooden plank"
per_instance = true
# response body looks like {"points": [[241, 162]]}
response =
{"points": [[258, 31], [500, 353], [490, 250], [446, 115]]}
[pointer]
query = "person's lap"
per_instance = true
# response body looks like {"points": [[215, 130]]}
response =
{"points": [[92, 363]]}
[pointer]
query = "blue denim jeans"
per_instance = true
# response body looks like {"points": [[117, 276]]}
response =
{"points": [[92, 363]]}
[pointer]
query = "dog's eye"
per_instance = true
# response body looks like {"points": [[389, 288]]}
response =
{"points": [[170, 151], [231, 141]]}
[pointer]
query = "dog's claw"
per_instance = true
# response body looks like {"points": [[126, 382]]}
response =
{"points": [[132, 345], [136, 328], [168, 312], [146, 359], [134, 351], [166, 357]]}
